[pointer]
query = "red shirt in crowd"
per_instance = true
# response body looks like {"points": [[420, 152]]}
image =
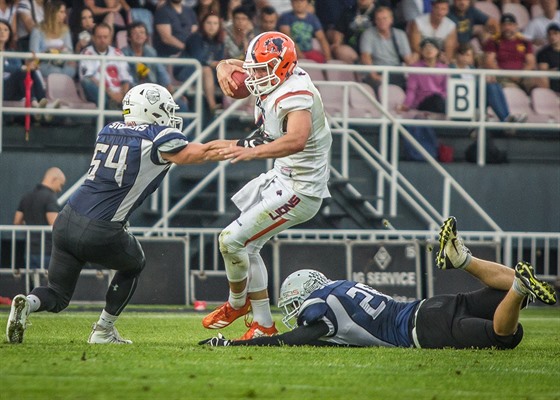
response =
{"points": [[510, 54]]}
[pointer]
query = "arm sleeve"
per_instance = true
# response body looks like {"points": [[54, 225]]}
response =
{"points": [[294, 101], [302, 335]]}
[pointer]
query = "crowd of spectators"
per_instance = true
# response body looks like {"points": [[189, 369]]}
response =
{"points": [[369, 32]]}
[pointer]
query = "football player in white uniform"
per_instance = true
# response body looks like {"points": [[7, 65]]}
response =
{"points": [[346, 313], [292, 128]]}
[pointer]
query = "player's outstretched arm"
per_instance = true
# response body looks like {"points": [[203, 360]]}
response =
{"points": [[300, 336], [298, 130], [197, 153]]}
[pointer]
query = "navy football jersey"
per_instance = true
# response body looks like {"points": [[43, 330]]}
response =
{"points": [[358, 315], [126, 167]]}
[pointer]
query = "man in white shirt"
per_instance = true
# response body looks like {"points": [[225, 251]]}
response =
{"points": [[535, 31], [435, 25], [117, 76]]}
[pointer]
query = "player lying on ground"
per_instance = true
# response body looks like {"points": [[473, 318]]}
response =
{"points": [[324, 312]]}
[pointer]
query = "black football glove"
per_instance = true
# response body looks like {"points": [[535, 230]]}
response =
{"points": [[256, 138], [216, 341]]}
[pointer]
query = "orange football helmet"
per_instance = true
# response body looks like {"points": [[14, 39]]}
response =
{"points": [[270, 60]]}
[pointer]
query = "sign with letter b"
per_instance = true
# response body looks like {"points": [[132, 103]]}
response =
{"points": [[461, 98]]}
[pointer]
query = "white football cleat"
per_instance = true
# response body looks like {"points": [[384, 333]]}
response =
{"points": [[17, 321], [101, 335]]}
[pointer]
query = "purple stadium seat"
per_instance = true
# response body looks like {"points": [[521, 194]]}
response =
{"points": [[521, 13], [62, 87], [489, 9], [520, 103], [360, 104], [547, 103], [343, 76]]}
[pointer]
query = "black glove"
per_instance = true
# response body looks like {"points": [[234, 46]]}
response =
{"points": [[256, 138], [216, 341]]}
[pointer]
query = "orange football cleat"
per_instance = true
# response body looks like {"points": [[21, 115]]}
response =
{"points": [[256, 330], [224, 315]]}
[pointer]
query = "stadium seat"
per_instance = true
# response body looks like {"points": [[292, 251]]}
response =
{"points": [[343, 76], [332, 98], [118, 20], [145, 16], [63, 88], [536, 11], [396, 96], [520, 103], [361, 105], [121, 39], [315, 74], [546, 102], [519, 11], [489, 9]]}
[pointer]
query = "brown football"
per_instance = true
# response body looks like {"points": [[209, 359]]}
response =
{"points": [[242, 91]]}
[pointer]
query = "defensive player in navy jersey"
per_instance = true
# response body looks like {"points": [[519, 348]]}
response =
{"points": [[129, 162], [324, 312]]}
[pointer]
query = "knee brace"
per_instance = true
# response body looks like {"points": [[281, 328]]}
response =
{"points": [[235, 257]]}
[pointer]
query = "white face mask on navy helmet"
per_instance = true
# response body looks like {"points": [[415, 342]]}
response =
{"points": [[152, 104], [295, 289]]}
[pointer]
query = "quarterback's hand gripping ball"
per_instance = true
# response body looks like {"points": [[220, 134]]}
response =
{"points": [[241, 92]]}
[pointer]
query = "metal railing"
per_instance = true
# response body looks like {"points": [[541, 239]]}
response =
{"points": [[385, 160], [101, 113], [541, 249]]}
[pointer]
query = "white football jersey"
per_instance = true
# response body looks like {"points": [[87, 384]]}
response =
{"points": [[116, 72], [308, 170]]}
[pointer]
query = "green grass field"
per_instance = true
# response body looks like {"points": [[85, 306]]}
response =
{"points": [[165, 362]]}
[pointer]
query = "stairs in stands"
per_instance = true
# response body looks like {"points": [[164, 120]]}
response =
{"points": [[347, 208]]}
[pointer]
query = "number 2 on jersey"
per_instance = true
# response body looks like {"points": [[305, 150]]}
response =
{"points": [[108, 160], [368, 294]]}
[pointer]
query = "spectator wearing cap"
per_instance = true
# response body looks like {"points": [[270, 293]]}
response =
{"points": [[495, 98], [536, 30], [548, 58], [437, 26], [471, 22], [426, 92], [510, 51], [384, 45]]}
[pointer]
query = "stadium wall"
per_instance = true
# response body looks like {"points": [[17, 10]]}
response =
{"points": [[520, 197]]}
